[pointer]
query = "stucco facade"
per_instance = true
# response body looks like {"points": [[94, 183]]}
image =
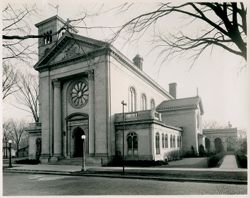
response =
{"points": [[227, 137], [82, 82]]}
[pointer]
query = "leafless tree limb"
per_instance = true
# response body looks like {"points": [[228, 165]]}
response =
{"points": [[28, 94], [9, 81], [227, 27]]}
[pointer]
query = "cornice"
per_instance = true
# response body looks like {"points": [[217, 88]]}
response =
{"points": [[146, 121]]}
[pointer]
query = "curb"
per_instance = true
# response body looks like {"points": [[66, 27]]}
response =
{"points": [[115, 175]]}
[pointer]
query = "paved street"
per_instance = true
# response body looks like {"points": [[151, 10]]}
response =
{"points": [[39, 184]]}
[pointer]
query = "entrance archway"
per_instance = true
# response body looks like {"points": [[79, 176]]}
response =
{"points": [[218, 145], [230, 144], [38, 148], [207, 144], [78, 144]]}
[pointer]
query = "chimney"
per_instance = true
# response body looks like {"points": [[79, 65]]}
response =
{"points": [[138, 61], [172, 89]]}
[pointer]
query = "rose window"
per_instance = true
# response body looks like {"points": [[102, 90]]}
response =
{"points": [[79, 93]]}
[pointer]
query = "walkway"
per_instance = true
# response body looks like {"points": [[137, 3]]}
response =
{"points": [[229, 162]]}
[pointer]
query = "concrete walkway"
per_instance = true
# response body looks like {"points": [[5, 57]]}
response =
{"points": [[229, 162]]}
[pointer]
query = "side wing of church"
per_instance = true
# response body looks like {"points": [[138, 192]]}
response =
{"points": [[82, 82]]}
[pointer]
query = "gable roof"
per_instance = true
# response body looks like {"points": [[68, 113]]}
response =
{"points": [[67, 36], [99, 46], [181, 104]]}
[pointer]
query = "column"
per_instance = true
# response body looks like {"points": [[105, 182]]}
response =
{"points": [[57, 119], [91, 113]]}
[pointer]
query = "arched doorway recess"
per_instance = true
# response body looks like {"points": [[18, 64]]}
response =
{"points": [[78, 142]]}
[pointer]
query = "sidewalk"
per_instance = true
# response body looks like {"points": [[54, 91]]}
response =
{"points": [[218, 175], [229, 162]]}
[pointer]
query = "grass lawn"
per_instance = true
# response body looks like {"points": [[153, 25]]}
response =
{"points": [[198, 162]]}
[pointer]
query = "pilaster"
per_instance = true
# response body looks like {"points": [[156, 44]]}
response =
{"points": [[91, 112], [57, 119]]}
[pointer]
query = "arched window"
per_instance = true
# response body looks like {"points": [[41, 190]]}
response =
{"points": [[166, 140], [162, 140], [132, 142], [157, 143], [132, 99], [152, 104], [143, 102]]}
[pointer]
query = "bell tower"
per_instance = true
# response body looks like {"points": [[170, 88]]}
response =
{"points": [[49, 28]]}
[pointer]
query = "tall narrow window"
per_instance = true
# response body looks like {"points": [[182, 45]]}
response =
{"points": [[132, 142], [157, 143], [162, 140], [180, 142], [166, 140], [171, 141], [144, 102], [132, 98], [174, 143], [152, 104]]}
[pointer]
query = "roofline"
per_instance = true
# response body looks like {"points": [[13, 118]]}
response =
{"points": [[139, 71], [183, 107], [215, 130], [49, 19], [118, 53]]}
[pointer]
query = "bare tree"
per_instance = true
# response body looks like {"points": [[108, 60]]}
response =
{"points": [[15, 21], [28, 95], [212, 124], [18, 18], [6, 137], [15, 131], [9, 81], [226, 28]]}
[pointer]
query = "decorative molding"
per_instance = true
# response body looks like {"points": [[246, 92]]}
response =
{"points": [[91, 74], [78, 93], [57, 83]]}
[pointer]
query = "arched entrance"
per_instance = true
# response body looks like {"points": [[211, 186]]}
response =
{"points": [[207, 144], [77, 125], [218, 145], [78, 144], [38, 148], [230, 144]]}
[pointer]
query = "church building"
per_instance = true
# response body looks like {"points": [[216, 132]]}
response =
{"points": [[84, 86]]}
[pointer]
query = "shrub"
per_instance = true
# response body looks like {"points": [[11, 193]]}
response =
{"points": [[141, 163], [241, 159], [27, 161], [202, 151], [215, 160]]}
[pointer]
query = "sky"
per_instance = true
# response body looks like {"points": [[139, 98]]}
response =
{"points": [[221, 78]]}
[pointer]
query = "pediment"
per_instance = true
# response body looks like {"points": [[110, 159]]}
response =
{"points": [[72, 49], [68, 48]]}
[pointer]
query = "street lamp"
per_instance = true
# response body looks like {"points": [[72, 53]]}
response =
{"points": [[83, 153], [10, 142], [123, 139]]}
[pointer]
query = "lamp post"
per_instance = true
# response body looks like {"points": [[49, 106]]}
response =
{"points": [[83, 153], [123, 139], [10, 142]]}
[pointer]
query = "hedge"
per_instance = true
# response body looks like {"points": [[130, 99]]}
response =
{"points": [[27, 161], [241, 159], [215, 160]]}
